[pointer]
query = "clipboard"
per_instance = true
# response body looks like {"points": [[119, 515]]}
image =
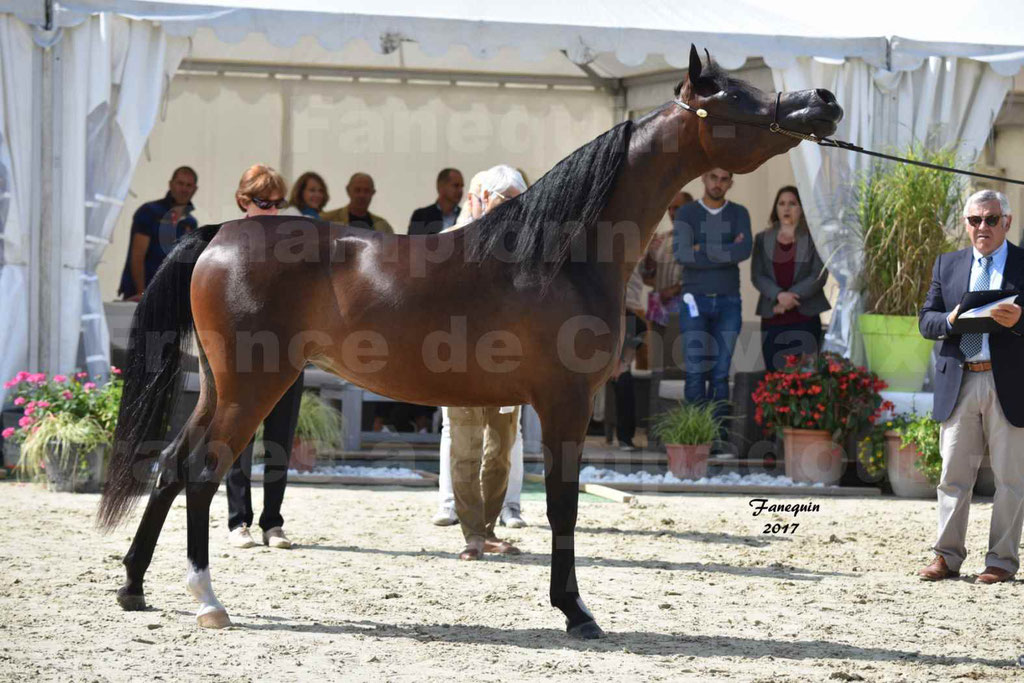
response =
{"points": [[974, 300]]}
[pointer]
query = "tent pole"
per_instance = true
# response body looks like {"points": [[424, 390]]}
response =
{"points": [[45, 342], [287, 160]]}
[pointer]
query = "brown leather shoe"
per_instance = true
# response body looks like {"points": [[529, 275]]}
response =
{"points": [[494, 545], [994, 575], [937, 570], [470, 553]]}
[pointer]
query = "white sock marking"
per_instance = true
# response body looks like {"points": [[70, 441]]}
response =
{"points": [[199, 585]]}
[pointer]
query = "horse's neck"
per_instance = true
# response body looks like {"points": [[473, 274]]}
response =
{"points": [[663, 156]]}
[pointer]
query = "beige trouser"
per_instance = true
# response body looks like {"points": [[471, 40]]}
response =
{"points": [[978, 421], [482, 441]]}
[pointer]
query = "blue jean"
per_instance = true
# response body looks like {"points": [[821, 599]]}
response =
{"points": [[708, 342]]}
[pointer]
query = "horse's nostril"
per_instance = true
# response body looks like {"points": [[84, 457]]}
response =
{"points": [[825, 96]]}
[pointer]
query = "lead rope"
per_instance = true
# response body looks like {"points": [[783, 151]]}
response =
{"points": [[774, 127]]}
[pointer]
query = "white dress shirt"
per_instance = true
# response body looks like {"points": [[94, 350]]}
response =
{"points": [[995, 282]]}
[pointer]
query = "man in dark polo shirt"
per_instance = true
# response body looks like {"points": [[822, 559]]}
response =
{"points": [[443, 213], [156, 226]]}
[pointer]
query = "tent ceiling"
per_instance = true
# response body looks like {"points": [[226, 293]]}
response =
{"points": [[622, 36]]}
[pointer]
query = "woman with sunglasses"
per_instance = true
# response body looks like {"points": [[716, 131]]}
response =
{"points": [[789, 274], [261, 192]]}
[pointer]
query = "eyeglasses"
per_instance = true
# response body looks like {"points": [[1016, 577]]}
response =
{"points": [[494, 193], [990, 221], [265, 204]]}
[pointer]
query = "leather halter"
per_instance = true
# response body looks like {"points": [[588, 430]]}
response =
{"points": [[775, 127]]}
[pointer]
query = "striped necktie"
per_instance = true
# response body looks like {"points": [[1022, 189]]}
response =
{"points": [[970, 344]]}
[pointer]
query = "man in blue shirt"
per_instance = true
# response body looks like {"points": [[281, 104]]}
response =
{"points": [[710, 238], [156, 226]]}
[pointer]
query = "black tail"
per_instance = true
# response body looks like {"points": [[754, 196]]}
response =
{"points": [[161, 331]]}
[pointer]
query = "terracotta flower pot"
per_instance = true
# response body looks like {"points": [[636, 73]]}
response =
{"points": [[303, 456], [811, 456], [688, 461], [906, 480]]}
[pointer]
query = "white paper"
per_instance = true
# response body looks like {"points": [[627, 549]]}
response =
{"points": [[691, 303], [986, 310]]}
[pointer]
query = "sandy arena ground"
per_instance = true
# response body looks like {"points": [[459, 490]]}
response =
{"points": [[687, 587]]}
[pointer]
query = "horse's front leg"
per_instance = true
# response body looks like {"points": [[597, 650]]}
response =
{"points": [[564, 427]]}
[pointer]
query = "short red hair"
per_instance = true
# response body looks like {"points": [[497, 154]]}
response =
{"points": [[259, 181]]}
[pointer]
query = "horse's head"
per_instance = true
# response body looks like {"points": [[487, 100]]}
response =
{"points": [[730, 103]]}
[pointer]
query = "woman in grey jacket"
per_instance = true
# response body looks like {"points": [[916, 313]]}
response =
{"points": [[789, 274]]}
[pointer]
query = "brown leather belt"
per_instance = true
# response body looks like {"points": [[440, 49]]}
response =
{"points": [[982, 366]]}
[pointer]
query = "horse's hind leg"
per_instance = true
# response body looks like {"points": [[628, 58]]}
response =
{"points": [[232, 426], [170, 481], [564, 425]]}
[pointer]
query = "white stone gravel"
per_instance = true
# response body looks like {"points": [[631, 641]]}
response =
{"points": [[349, 471], [594, 475]]}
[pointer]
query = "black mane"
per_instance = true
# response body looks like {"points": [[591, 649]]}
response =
{"points": [[534, 231]]}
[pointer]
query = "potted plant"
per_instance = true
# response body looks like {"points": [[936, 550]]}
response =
{"points": [[687, 432], [906, 450], [320, 427], [65, 427], [907, 216], [814, 403]]}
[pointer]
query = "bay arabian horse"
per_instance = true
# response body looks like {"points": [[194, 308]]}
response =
{"points": [[528, 302]]}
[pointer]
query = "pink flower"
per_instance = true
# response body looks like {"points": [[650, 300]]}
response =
{"points": [[20, 401], [25, 421], [60, 378], [37, 378], [9, 432], [115, 370], [67, 394], [43, 404], [30, 409], [21, 376], [81, 375], [9, 383], [89, 386], [31, 405]]}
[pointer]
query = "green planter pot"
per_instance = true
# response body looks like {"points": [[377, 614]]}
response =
{"points": [[895, 349]]}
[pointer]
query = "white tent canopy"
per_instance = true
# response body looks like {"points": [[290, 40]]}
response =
{"points": [[124, 52], [631, 31]]}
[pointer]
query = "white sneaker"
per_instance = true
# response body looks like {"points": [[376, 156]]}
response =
{"points": [[275, 538], [240, 537], [445, 515], [512, 516]]}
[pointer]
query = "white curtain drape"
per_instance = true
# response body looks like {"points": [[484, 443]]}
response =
{"points": [[18, 77], [115, 72], [945, 101]]}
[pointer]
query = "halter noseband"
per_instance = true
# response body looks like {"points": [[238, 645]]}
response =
{"points": [[773, 127]]}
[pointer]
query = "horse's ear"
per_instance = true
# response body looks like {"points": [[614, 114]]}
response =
{"points": [[709, 56], [695, 67]]}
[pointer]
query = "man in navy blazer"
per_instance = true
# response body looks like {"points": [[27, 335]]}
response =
{"points": [[979, 391], [442, 214]]}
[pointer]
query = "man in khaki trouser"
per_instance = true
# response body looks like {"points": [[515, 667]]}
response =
{"points": [[979, 378], [482, 439]]}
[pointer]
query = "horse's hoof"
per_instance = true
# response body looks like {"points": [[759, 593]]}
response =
{"points": [[215, 619], [131, 602], [588, 630]]}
